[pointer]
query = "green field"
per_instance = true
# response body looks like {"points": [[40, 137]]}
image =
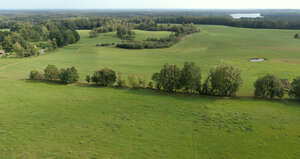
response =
{"points": [[52, 121]]}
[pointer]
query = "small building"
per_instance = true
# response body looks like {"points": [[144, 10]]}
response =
{"points": [[2, 52]]}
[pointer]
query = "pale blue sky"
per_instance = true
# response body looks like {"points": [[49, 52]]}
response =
{"points": [[108, 4]]}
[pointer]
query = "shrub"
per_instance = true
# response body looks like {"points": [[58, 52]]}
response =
{"points": [[268, 86], [104, 77], [156, 79], [150, 85], [69, 75], [168, 78], [51, 73], [133, 81], [105, 44], [142, 82], [120, 81], [88, 78], [223, 80], [295, 88], [191, 77], [36, 75], [296, 36]]}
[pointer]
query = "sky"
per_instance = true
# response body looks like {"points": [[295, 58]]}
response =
{"points": [[150, 4]]}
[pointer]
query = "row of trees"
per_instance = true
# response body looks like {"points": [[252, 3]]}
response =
{"points": [[223, 80], [271, 86], [52, 73]]}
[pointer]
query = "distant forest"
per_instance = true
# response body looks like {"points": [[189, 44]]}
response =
{"points": [[89, 19]]}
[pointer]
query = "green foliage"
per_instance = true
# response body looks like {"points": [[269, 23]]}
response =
{"points": [[295, 88], [105, 44], [31, 50], [88, 78], [51, 73], [69, 75], [150, 85], [269, 86], [224, 80], [21, 37], [104, 77], [134, 82], [36, 75], [296, 36], [157, 79], [125, 33], [191, 77], [18, 49], [168, 78], [120, 81]]}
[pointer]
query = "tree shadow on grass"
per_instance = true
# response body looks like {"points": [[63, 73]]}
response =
{"points": [[177, 96], [45, 82]]}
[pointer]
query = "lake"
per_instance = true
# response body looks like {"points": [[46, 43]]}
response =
{"points": [[248, 15]]}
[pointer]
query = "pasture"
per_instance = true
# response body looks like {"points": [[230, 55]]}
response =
{"points": [[53, 121]]}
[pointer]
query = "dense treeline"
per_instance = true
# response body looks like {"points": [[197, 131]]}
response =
{"points": [[267, 23], [222, 80], [89, 19], [24, 38], [228, 21]]}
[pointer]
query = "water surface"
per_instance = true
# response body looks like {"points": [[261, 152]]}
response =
{"points": [[248, 15]]}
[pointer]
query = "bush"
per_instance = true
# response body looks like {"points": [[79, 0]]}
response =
{"points": [[105, 44], [88, 78], [168, 78], [268, 86], [104, 77], [223, 80], [51, 73], [133, 81], [150, 85], [156, 79], [69, 75], [190, 77], [296, 36], [36, 75], [120, 81], [295, 88]]}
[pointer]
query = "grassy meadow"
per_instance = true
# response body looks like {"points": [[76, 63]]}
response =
{"points": [[53, 121]]}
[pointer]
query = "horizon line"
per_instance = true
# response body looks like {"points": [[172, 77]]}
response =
{"points": [[149, 9]]}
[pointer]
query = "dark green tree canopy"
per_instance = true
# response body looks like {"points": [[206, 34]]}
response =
{"points": [[224, 80], [294, 92], [269, 86], [104, 77]]}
